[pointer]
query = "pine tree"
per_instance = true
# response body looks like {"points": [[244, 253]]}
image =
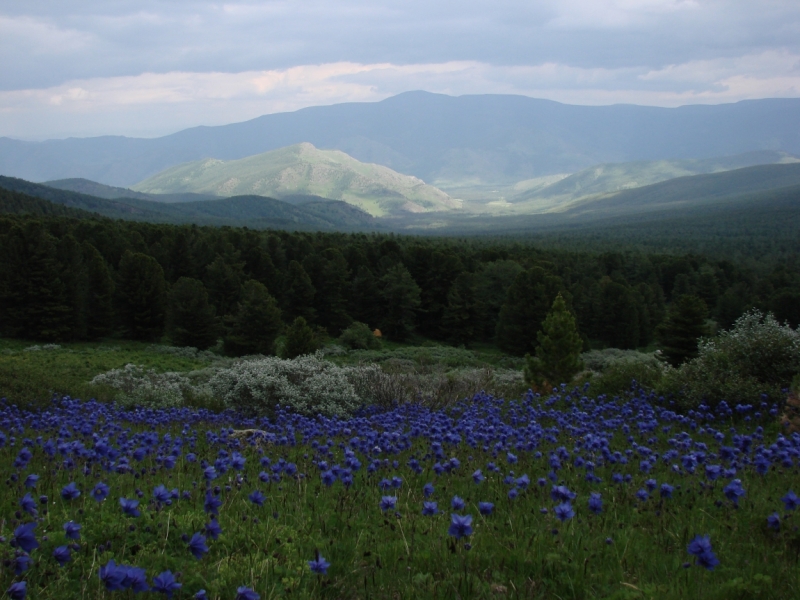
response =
{"points": [[299, 294], [300, 339], [191, 319], [99, 294], [460, 318], [223, 280], [141, 296], [256, 323], [558, 354], [401, 299], [682, 327], [527, 302]]}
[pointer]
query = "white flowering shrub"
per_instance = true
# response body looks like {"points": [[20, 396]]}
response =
{"points": [[307, 384], [140, 387], [757, 355]]}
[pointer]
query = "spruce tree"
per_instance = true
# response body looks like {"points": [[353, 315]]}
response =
{"points": [[191, 319], [141, 296], [683, 326], [300, 339], [401, 299], [558, 353], [256, 323], [99, 294], [460, 318], [299, 294]]}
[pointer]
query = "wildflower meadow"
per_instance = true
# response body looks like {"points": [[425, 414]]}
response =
{"points": [[547, 496]]}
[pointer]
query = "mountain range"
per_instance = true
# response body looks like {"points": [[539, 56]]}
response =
{"points": [[448, 142]]}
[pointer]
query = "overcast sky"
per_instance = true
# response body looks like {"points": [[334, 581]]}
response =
{"points": [[146, 68]]}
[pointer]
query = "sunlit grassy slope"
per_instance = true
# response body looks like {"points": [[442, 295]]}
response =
{"points": [[304, 169]]}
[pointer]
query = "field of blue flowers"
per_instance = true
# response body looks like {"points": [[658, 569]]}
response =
{"points": [[564, 496]]}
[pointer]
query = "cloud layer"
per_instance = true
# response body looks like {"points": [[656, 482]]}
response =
{"points": [[151, 67]]}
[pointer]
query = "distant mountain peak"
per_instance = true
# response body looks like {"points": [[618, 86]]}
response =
{"points": [[304, 169]]}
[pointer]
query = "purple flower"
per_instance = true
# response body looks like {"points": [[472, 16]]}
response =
{"points": [[428, 490], [774, 521], [213, 529], [511, 458], [791, 500], [512, 493], [477, 476], [129, 507], [642, 495], [18, 590], [650, 484], [161, 494], [210, 473], [24, 538], [28, 504], [564, 511], [135, 579], [100, 491], [319, 565], [328, 478], [113, 576], [523, 482], [460, 526], [73, 530], [734, 490], [457, 503], [595, 503], [666, 490], [164, 583], [201, 595], [429, 508], [700, 547], [31, 480], [561, 493], [62, 555], [197, 546], [212, 504], [245, 593], [22, 563], [485, 508], [257, 498], [70, 491], [388, 502]]}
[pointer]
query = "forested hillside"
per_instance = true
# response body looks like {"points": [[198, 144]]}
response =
{"points": [[65, 279]]}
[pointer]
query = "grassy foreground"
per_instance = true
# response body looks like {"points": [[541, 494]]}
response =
{"points": [[354, 491]]}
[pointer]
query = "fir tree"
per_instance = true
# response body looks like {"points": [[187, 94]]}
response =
{"points": [[191, 319], [558, 354], [141, 296], [99, 294], [683, 326], [299, 294], [401, 299], [300, 339], [256, 323]]}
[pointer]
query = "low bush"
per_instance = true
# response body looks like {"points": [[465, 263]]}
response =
{"points": [[358, 336], [757, 355], [140, 387], [612, 371]]}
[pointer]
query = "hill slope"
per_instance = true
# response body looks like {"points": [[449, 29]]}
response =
{"points": [[99, 190], [303, 169], [441, 139], [252, 211]]}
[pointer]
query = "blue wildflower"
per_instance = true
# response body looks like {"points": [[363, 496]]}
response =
{"points": [[319, 565], [72, 530], [70, 491], [165, 583], [457, 503], [427, 490], [100, 491], [595, 503], [430, 508], [62, 555], [388, 502], [197, 546], [791, 500], [245, 593], [564, 511], [460, 526], [129, 507], [485, 508], [24, 538]]}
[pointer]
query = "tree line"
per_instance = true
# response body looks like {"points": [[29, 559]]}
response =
{"points": [[67, 279]]}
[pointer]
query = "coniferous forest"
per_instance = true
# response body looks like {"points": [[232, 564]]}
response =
{"points": [[68, 279]]}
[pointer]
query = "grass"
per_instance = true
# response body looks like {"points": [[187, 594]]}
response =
{"points": [[32, 372], [632, 549]]}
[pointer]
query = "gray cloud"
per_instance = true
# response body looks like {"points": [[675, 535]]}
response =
{"points": [[585, 51]]}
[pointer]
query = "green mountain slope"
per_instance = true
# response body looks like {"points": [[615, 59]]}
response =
{"points": [[304, 169], [99, 190], [17, 203], [251, 211], [615, 177]]}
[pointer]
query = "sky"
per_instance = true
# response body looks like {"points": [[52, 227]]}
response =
{"points": [[146, 68]]}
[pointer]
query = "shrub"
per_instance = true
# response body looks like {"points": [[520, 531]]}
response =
{"points": [[138, 387], [757, 355], [307, 384], [358, 336], [612, 370]]}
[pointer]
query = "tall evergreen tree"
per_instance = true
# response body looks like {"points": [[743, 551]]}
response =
{"points": [[256, 323], [191, 319], [99, 294], [223, 280], [527, 303], [299, 294], [33, 299], [75, 280], [682, 327], [141, 296], [558, 353], [300, 339], [401, 299], [365, 301], [460, 318]]}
